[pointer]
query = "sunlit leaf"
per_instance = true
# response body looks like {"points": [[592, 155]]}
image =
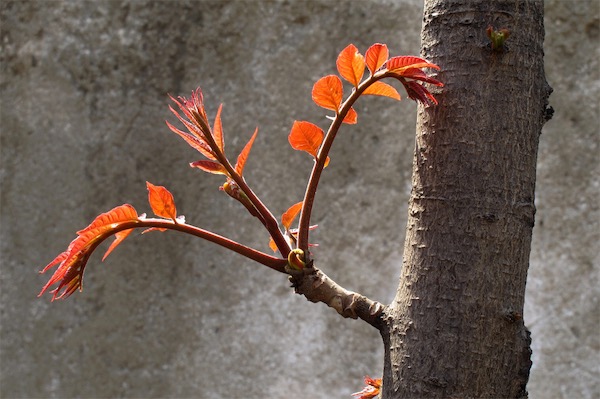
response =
{"points": [[71, 263], [328, 92], [351, 117], [218, 130], [161, 201], [351, 64], [192, 108], [210, 167], [106, 221], [119, 237], [241, 160], [380, 88], [400, 64], [288, 216], [306, 136], [376, 56], [272, 244], [194, 141], [371, 390]]}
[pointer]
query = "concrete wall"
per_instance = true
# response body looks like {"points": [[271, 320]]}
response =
{"points": [[83, 91]]}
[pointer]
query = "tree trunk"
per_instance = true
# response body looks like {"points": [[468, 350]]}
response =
{"points": [[455, 328]]}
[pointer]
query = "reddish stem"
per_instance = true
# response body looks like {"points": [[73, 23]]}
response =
{"points": [[267, 218], [274, 263], [315, 176]]}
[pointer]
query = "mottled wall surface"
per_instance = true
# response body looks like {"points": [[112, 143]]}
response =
{"points": [[83, 102], [563, 297]]}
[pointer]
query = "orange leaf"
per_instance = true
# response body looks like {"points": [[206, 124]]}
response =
{"points": [[210, 167], [351, 117], [161, 201], [241, 160], [194, 141], [351, 64], [371, 390], [218, 130], [119, 237], [72, 262], [288, 216], [327, 92], [376, 56], [154, 229], [272, 244], [382, 89], [105, 221], [400, 64], [306, 136]]}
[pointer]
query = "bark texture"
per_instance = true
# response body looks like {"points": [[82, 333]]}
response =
{"points": [[455, 328]]}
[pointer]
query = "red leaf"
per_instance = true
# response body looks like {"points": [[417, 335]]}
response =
{"points": [[351, 117], [210, 167], [218, 130], [351, 64], [376, 56], [161, 201], [194, 141], [106, 221], [327, 92], [371, 390], [288, 216], [192, 108], [272, 244], [382, 89], [306, 136], [119, 237], [72, 262], [241, 160], [417, 74], [400, 64], [417, 92]]}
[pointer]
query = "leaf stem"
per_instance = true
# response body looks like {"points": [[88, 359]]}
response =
{"points": [[267, 218], [272, 262], [315, 176]]}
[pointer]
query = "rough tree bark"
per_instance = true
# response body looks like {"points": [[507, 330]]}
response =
{"points": [[455, 328]]}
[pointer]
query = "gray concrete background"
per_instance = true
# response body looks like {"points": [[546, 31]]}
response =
{"points": [[83, 104]]}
